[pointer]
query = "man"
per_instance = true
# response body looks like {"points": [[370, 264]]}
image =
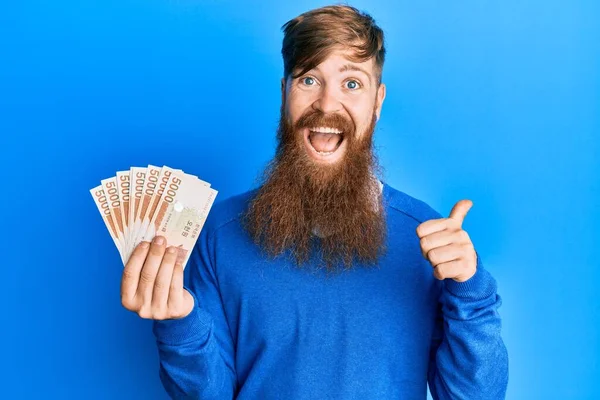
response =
{"points": [[325, 282]]}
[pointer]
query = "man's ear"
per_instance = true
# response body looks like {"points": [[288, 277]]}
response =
{"points": [[379, 99]]}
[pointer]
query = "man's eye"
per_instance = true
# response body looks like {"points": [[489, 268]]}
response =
{"points": [[354, 84], [305, 78]]}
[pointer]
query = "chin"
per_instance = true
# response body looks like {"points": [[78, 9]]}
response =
{"points": [[324, 158]]}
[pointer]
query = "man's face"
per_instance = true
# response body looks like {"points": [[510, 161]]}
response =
{"points": [[345, 92], [321, 181]]}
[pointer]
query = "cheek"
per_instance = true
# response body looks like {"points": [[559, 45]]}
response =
{"points": [[293, 111], [362, 116], [360, 124], [299, 103]]}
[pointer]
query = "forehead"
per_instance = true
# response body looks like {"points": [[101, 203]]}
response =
{"points": [[341, 58]]}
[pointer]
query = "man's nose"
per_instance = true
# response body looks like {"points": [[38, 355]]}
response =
{"points": [[328, 101]]}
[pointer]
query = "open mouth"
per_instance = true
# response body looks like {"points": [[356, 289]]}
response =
{"points": [[323, 141]]}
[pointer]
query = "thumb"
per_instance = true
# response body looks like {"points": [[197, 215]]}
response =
{"points": [[460, 209]]}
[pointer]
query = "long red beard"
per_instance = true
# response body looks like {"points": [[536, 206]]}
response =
{"points": [[343, 201]]}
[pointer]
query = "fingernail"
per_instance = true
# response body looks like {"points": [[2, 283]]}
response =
{"points": [[159, 240], [171, 250], [144, 245]]}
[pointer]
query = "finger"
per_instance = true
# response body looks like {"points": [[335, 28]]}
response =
{"points": [[150, 269], [460, 209], [176, 291], [436, 239], [440, 255], [162, 284], [131, 272], [448, 269], [432, 226]]}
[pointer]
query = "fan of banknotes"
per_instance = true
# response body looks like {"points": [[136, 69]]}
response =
{"points": [[138, 204]]}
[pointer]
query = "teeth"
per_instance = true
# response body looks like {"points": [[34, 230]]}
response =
{"points": [[326, 130], [325, 153]]}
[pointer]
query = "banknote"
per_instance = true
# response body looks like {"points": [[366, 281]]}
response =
{"points": [[174, 187], [150, 185], [181, 213], [123, 188], [137, 176], [114, 205], [165, 174], [143, 202], [102, 203]]}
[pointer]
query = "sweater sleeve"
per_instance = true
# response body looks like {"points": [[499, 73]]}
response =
{"points": [[468, 358], [196, 352]]}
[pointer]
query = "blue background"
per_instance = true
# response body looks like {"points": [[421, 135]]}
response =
{"points": [[497, 102]]}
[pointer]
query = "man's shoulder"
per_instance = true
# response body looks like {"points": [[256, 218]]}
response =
{"points": [[228, 210], [408, 205]]}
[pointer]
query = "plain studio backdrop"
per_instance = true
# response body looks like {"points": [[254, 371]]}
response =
{"points": [[496, 102]]}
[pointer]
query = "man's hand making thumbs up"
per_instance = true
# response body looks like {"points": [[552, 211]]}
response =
{"points": [[447, 246]]}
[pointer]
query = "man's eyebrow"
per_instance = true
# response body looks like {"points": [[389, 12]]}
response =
{"points": [[352, 67]]}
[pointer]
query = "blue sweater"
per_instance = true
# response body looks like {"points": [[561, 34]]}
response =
{"points": [[265, 329]]}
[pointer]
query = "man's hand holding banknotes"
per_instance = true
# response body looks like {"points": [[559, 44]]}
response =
{"points": [[154, 216], [152, 283]]}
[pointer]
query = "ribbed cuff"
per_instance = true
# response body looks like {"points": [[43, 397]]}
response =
{"points": [[192, 327], [479, 286]]}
